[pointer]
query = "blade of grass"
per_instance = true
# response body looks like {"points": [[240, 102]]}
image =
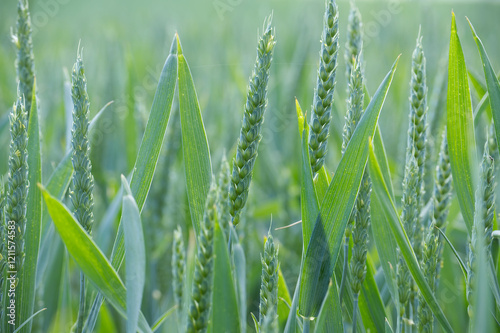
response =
{"points": [[328, 232], [371, 307], [330, 316], [225, 315], [194, 143], [460, 125], [33, 217], [89, 257], [135, 257], [381, 192], [145, 163]]}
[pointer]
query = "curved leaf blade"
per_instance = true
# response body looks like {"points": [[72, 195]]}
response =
{"points": [[225, 314], [135, 257], [381, 191], [89, 257], [460, 128], [326, 240], [194, 143], [33, 218]]}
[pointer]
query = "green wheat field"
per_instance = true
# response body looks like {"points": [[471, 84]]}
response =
{"points": [[230, 166]]}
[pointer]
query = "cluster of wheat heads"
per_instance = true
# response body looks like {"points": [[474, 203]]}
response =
{"points": [[371, 260]]}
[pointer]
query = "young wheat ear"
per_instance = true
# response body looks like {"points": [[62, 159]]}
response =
{"points": [[433, 246], [268, 308], [325, 86], [25, 61], [248, 142], [83, 181], [201, 296]]}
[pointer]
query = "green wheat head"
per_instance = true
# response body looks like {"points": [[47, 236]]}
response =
{"points": [[483, 219], [325, 86], [493, 146], [408, 218], [487, 182], [83, 181], [354, 42], [353, 115], [178, 268], [360, 235], [250, 134], [433, 245], [201, 296], [417, 131], [268, 308], [25, 64], [17, 184], [223, 195]]}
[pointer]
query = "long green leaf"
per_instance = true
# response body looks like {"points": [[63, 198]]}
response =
{"points": [[384, 241], [34, 219], [460, 128], [381, 192], [284, 300], [225, 315], [147, 157], [371, 306], [89, 257], [491, 82], [135, 257], [194, 143], [308, 199], [330, 316], [328, 232]]}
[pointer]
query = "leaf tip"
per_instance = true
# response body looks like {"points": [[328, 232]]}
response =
{"points": [[175, 42], [126, 186], [177, 47]]}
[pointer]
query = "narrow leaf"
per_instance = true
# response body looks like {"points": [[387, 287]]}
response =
{"points": [[135, 257], [330, 316], [34, 218], [328, 232], [460, 128], [225, 315], [89, 257], [381, 191], [194, 143]]}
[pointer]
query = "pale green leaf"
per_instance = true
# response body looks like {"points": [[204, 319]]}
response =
{"points": [[460, 128], [194, 143]]}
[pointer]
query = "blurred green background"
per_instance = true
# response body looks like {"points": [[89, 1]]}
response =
{"points": [[126, 42]]}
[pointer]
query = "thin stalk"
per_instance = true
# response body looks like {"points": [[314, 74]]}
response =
{"points": [[355, 313]]}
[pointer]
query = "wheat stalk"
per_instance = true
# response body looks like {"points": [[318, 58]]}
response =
{"points": [[248, 142], [325, 86]]}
